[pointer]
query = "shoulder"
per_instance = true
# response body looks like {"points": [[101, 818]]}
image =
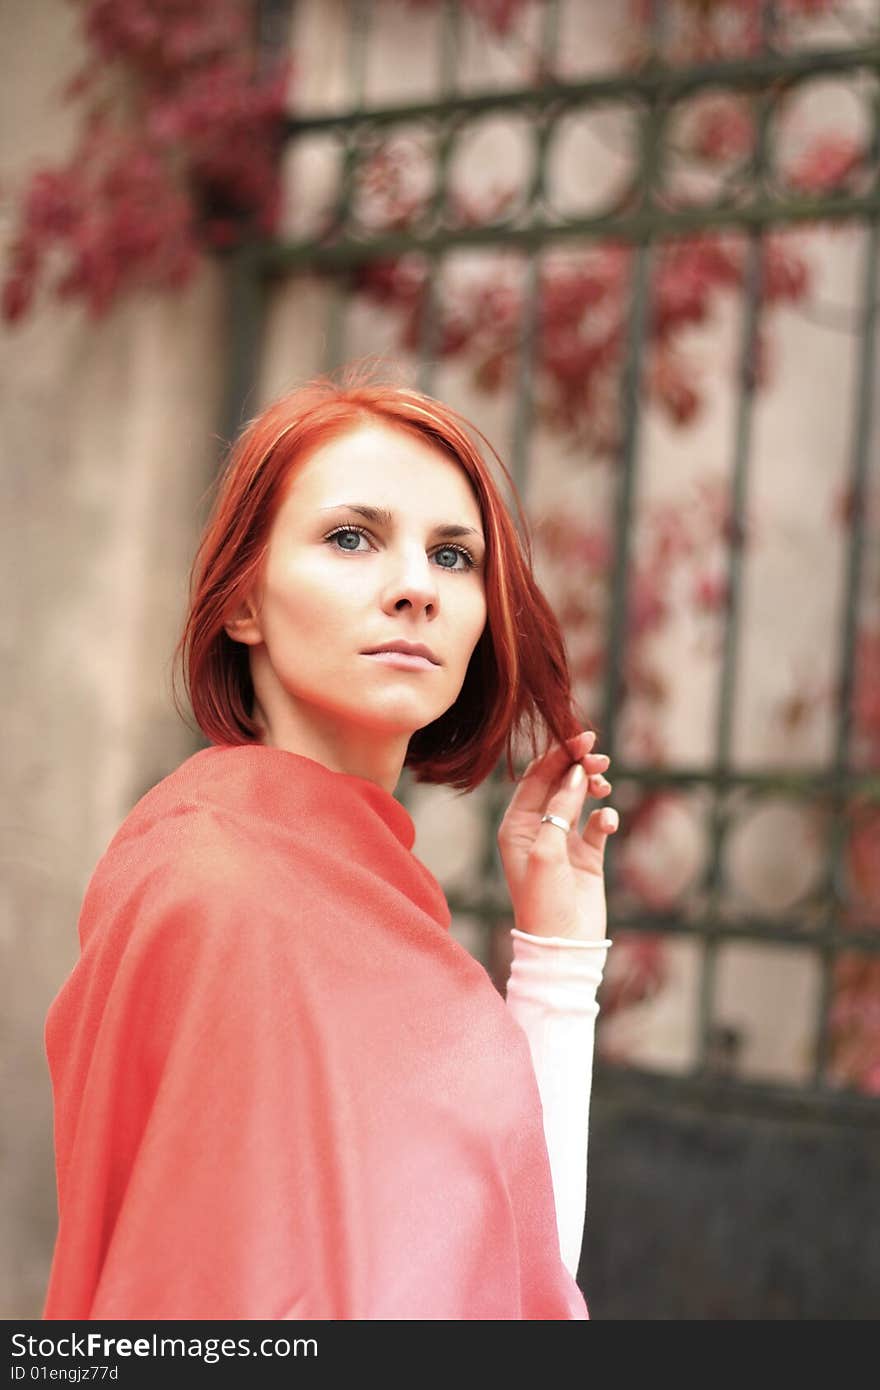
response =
{"points": [[184, 865], [213, 819], [185, 803]]}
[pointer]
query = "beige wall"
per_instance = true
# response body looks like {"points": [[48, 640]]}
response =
{"points": [[106, 438]]}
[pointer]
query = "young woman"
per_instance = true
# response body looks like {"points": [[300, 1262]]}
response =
{"points": [[282, 1088]]}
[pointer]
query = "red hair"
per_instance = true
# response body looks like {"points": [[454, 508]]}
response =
{"points": [[518, 679]]}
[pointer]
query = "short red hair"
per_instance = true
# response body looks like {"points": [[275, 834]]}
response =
{"points": [[518, 678]]}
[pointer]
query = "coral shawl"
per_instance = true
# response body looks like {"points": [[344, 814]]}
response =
{"points": [[282, 1088]]}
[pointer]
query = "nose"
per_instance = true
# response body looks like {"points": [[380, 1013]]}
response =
{"points": [[412, 580]]}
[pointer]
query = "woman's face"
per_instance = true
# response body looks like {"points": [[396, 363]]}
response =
{"points": [[337, 582]]}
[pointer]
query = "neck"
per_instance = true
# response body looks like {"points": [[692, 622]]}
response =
{"points": [[357, 751]]}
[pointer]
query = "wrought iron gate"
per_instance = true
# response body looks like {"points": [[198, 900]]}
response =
{"points": [[653, 93]]}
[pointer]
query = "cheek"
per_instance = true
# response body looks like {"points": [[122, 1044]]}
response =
{"points": [[306, 599], [292, 601], [473, 621]]}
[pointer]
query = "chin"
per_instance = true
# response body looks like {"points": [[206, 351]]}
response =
{"points": [[404, 718]]}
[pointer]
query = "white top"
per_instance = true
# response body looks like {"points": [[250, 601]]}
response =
{"points": [[551, 993]]}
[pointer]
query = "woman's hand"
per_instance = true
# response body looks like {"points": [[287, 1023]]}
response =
{"points": [[556, 879]]}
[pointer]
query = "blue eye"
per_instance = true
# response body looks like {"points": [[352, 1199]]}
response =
{"points": [[346, 530], [469, 561], [458, 550]]}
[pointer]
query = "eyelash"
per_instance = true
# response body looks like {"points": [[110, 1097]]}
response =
{"points": [[448, 545]]}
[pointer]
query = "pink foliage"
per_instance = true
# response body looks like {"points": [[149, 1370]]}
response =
{"points": [[641, 975], [583, 306], [855, 1023], [725, 130], [827, 164], [178, 156]]}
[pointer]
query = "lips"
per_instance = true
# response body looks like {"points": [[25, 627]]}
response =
{"points": [[405, 649], [403, 661]]}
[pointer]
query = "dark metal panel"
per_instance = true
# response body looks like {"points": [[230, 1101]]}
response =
{"points": [[703, 1208]]}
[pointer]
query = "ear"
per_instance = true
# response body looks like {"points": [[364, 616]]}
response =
{"points": [[243, 625]]}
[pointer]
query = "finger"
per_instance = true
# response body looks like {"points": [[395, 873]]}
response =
{"points": [[601, 823], [599, 785], [567, 802], [559, 751], [541, 777]]}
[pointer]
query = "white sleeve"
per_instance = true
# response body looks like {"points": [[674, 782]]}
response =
{"points": [[552, 995]]}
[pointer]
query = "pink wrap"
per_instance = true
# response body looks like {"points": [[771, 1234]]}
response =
{"points": [[282, 1088]]}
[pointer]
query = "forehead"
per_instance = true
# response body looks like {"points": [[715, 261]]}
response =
{"points": [[386, 467]]}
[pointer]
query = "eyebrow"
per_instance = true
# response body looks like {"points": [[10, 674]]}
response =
{"points": [[380, 516]]}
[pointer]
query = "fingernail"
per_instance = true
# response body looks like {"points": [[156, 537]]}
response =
{"points": [[576, 775]]}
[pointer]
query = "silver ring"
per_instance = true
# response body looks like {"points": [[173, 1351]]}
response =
{"points": [[557, 820]]}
